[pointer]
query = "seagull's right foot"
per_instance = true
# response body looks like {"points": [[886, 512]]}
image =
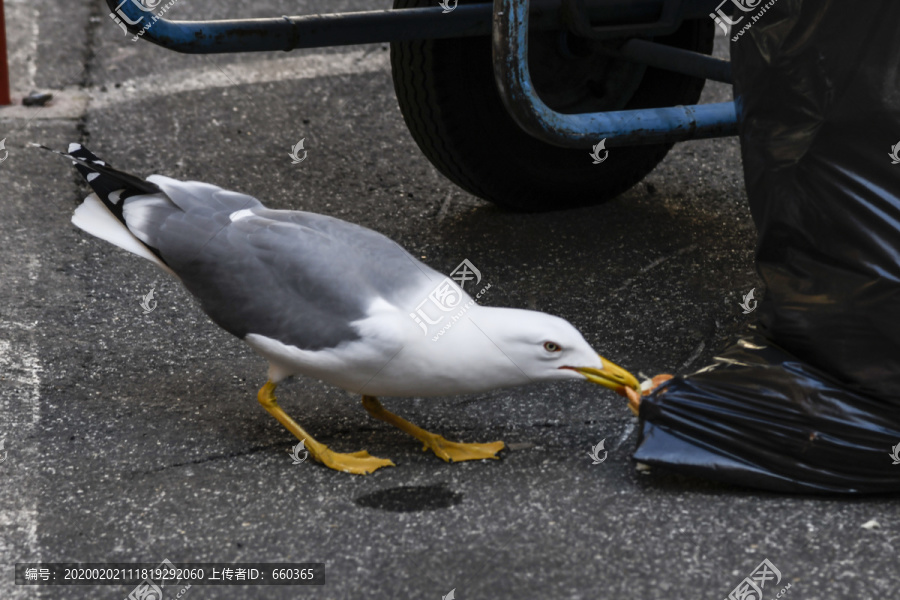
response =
{"points": [[444, 449], [459, 451]]}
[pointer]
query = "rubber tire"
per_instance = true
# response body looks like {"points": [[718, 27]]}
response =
{"points": [[449, 100]]}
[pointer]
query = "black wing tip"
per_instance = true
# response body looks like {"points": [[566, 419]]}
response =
{"points": [[75, 152], [86, 162]]}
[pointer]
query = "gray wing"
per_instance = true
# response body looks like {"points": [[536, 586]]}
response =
{"points": [[297, 277]]}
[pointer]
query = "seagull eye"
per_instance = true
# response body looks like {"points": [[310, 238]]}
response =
{"points": [[552, 347]]}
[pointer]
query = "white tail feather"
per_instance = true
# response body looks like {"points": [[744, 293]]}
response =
{"points": [[93, 217]]}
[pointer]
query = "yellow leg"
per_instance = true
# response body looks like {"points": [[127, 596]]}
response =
{"points": [[449, 451], [358, 463]]}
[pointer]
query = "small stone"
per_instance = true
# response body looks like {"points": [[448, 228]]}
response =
{"points": [[37, 99]]}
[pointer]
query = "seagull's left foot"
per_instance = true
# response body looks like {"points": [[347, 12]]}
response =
{"points": [[444, 449], [358, 463]]}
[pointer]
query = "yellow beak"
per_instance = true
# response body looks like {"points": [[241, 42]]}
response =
{"points": [[611, 376]]}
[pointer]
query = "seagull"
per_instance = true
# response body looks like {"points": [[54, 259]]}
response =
{"points": [[327, 299]]}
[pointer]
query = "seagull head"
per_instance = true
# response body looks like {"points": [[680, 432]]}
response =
{"points": [[536, 346]]}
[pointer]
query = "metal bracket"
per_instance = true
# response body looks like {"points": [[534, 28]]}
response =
{"points": [[619, 128], [675, 59]]}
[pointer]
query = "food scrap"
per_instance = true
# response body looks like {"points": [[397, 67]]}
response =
{"points": [[647, 386]]}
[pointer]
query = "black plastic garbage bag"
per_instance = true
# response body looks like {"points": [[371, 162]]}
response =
{"points": [[810, 401]]}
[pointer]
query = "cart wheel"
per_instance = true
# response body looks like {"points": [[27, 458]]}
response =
{"points": [[449, 99]]}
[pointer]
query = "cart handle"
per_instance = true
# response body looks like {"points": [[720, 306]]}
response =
{"points": [[143, 19]]}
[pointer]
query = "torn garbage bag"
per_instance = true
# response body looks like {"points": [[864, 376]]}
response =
{"points": [[810, 400]]}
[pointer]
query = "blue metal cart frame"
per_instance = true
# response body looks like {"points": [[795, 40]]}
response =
{"points": [[508, 22]]}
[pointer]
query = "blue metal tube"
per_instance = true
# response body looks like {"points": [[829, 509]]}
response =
{"points": [[619, 128], [289, 33], [315, 31]]}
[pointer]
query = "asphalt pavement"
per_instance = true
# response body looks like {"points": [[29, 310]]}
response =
{"points": [[134, 436]]}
